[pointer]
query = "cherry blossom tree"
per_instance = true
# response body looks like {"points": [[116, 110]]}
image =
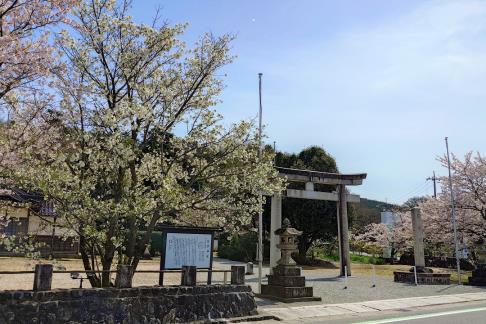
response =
{"points": [[469, 190], [134, 139], [397, 237], [27, 58], [26, 55]]}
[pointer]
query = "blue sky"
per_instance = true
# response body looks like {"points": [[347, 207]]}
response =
{"points": [[378, 84]]}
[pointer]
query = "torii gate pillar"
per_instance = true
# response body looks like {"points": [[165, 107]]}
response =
{"points": [[343, 231], [341, 197], [275, 224]]}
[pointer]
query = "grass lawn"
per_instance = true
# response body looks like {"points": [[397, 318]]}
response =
{"points": [[386, 270]]}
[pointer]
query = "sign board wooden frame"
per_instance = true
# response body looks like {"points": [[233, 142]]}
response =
{"points": [[186, 231]]}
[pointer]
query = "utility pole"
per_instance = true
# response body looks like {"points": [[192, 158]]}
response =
{"points": [[434, 179], [453, 215], [260, 215]]}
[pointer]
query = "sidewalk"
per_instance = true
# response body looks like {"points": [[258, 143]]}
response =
{"points": [[312, 311]]}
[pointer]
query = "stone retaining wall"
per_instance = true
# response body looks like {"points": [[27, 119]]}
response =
{"points": [[129, 305], [422, 278]]}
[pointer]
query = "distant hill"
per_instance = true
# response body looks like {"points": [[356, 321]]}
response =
{"points": [[375, 204], [368, 211]]}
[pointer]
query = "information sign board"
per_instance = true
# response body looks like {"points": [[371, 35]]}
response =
{"points": [[186, 246], [188, 249]]}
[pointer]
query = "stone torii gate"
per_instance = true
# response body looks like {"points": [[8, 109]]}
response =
{"points": [[340, 196]]}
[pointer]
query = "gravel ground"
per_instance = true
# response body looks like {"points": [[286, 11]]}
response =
{"points": [[326, 282], [359, 288], [25, 281], [331, 288]]}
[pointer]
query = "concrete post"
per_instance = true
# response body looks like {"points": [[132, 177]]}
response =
{"points": [[43, 277], [123, 276], [249, 268], [188, 276], [309, 186], [418, 238], [275, 224], [343, 231], [237, 275]]}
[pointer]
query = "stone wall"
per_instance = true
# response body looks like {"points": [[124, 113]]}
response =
{"points": [[129, 305]]}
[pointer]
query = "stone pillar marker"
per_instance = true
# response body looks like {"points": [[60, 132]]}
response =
{"points": [[188, 276], [343, 231], [237, 275], [275, 223], [43, 277], [419, 274], [123, 276], [418, 238]]}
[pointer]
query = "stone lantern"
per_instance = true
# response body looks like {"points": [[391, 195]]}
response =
{"points": [[286, 283], [288, 243]]}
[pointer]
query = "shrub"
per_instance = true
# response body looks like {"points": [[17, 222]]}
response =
{"points": [[238, 247], [156, 240]]}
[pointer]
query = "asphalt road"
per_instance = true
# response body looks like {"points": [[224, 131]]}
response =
{"points": [[469, 316], [467, 313]]}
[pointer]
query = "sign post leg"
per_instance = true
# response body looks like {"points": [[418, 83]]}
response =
{"points": [[161, 279], [210, 276]]}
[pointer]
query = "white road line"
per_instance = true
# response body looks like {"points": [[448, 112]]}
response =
{"points": [[414, 317]]}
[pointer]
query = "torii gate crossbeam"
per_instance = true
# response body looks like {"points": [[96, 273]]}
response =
{"points": [[340, 196]]}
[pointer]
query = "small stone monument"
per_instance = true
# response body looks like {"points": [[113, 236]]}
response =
{"points": [[146, 253], [286, 283], [478, 277], [418, 243]]}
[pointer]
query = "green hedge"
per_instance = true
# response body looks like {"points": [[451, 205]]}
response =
{"points": [[238, 247], [156, 241]]}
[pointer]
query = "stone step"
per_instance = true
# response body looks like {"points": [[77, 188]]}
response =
{"points": [[287, 292], [422, 278], [287, 271], [479, 273], [477, 281], [288, 281]]}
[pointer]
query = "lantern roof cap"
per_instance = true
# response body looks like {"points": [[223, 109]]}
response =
{"points": [[287, 229]]}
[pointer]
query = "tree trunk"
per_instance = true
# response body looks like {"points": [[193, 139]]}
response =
{"points": [[94, 280], [105, 276], [304, 245]]}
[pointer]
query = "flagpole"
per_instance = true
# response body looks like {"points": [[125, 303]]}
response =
{"points": [[260, 215], [453, 212]]}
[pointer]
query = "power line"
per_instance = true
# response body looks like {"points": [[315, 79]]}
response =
{"points": [[419, 189]]}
